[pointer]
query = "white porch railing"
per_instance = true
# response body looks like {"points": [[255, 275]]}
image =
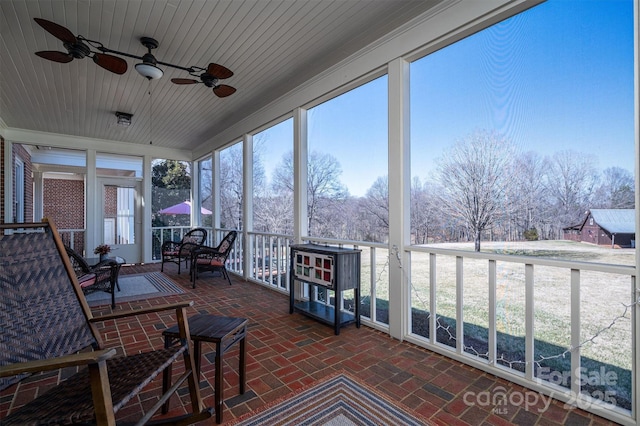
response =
{"points": [[269, 259], [160, 234], [570, 335]]}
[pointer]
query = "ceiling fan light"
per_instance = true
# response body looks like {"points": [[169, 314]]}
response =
{"points": [[149, 71]]}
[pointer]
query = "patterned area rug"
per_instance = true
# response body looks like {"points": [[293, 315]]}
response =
{"points": [[137, 287], [339, 401]]}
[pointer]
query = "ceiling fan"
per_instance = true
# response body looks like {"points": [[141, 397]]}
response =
{"points": [[79, 47], [210, 77]]}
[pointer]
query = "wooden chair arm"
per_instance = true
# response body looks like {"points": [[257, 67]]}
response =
{"points": [[134, 312], [56, 363]]}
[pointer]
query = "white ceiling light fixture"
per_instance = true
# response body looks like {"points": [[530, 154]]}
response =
{"points": [[148, 68], [124, 118]]}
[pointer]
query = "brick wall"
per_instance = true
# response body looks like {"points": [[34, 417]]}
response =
{"points": [[110, 201], [63, 201]]}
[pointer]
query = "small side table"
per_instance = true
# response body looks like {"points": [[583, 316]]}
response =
{"points": [[115, 272], [224, 332]]}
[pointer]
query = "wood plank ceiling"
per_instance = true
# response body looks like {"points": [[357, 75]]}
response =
{"points": [[272, 46]]}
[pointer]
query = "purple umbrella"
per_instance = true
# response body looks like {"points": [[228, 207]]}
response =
{"points": [[182, 208]]}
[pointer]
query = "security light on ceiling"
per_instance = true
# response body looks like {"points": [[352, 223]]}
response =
{"points": [[124, 119]]}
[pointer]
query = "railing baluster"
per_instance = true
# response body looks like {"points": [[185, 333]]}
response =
{"points": [[459, 304], [575, 331], [493, 338], [529, 345], [433, 326]]}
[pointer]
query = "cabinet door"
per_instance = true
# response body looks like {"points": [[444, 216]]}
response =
{"points": [[314, 268]]}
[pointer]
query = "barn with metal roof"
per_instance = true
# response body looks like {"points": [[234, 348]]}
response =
{"points": [[614, 227]]}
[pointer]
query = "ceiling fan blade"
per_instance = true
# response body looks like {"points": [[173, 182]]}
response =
{"points": [[56, 30], [222, 91], [110, 63], [219, 71], [184, 81], [55, 56]]}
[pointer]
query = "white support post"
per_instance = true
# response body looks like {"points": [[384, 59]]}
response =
{"points": [[399, 196], [195, 194], [93, 235], [247, 209], [215, 186], [147, 232], [300, 158], [38, 195]]}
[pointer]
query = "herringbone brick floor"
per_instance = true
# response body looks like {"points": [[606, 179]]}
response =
{"points": [[288, 352]]}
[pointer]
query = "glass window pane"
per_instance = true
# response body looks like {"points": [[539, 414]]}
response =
{"points": [[231, 182], [508, 128], [273, 179], [347, 165], [206, 191]]}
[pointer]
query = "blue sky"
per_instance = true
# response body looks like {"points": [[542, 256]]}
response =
{"points": [[558, 76]]}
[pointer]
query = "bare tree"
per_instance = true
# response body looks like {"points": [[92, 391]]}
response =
{"points": [[376, 208], [616, 190], [273, 212], [231, 182], [324, 190], [426, 214], [231, 196], [570, 180], [527, 195], [474, 175]]}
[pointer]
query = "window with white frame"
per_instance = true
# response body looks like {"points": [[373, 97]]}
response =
{"points": [[347, 179]]}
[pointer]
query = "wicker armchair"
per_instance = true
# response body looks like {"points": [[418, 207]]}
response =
{"points": [[179, 251], [100, 277], [212, 258], [46, 325]]}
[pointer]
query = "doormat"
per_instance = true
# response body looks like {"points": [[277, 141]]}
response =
{"points": [[338, 401], [137, 287]]}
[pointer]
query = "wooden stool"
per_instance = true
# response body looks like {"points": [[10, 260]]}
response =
{"points": [[224, 332]]}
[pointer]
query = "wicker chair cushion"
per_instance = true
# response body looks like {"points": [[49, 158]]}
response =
{"points": [[205, 261], [223, 246], [74, 394], [87, 280], [171, 253]]}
